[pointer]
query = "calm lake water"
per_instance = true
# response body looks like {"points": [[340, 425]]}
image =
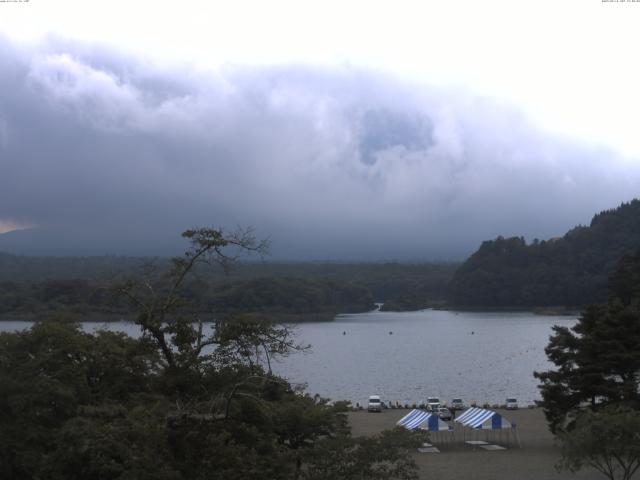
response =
{"points": [[408, 356]]}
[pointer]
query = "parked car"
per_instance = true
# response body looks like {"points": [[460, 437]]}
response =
{"points": [[512, 404], [444, 413], [433, 403], [457, 404], [374, 404]]}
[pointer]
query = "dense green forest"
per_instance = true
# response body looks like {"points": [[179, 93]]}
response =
{"points": [[182, 401], [570, 271], [36, 286], [279, 299]]}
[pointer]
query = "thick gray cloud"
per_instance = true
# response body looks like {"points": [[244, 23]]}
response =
{"points": [[109, 154]]}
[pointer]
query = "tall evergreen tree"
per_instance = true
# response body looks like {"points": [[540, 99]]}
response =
{"points": [[598, 360]]}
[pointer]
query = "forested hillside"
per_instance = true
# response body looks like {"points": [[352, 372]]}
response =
{"points": [[296, 291], [570, 271]]}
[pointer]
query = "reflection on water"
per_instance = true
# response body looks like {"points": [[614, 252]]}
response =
{"points": [[408, 356]]}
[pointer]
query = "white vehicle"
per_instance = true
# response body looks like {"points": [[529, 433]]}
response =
{"points": [[444, 413], [512, 404], [433, 403], [457, 404], [375, 404]]}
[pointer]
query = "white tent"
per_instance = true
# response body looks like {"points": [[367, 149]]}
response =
{"points": [[425, 421], [483, 419], [488, 420]]}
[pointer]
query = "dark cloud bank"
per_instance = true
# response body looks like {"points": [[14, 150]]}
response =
{"points": [[108, 154]]}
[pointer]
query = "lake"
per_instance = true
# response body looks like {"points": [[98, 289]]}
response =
{"points": [[408, 356]]}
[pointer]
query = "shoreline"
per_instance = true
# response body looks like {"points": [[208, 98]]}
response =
{"points": [[458, 460], [285, 318]]}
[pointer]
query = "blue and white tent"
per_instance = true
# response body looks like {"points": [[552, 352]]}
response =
{"points": [[424, 421], [482, 419], [488, 421]]}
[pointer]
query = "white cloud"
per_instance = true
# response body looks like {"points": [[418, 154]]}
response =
{"points": [[568, 64], [94, 95], [332, 162]]}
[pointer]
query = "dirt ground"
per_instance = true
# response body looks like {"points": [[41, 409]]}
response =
{"points": [[535, 460]]}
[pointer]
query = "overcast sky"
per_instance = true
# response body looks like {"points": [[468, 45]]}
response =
{"points": [[368, 131]]}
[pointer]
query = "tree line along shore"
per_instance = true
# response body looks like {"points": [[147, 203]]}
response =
{"points": [[555, 276]]}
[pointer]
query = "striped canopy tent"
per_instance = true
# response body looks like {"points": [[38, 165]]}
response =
{"points": [[424, 421], [482, 419], [487, 420]]}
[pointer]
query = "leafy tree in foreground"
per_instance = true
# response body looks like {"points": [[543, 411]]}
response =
{"points": [[178, 403], [159, 299], [608, 440], [52, 376], [381, 457]]}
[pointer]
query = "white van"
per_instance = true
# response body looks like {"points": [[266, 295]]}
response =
{"points": [[433, 403], [375, 404], [512, 403]]}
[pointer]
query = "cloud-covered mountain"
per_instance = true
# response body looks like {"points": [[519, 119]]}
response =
{"points": [[108, 153]]}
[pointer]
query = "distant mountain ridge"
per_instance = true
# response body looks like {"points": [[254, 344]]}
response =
{"points": [[570, 271]]}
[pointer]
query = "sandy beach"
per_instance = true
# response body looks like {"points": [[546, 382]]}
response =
{"points": [[535, 459]]}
